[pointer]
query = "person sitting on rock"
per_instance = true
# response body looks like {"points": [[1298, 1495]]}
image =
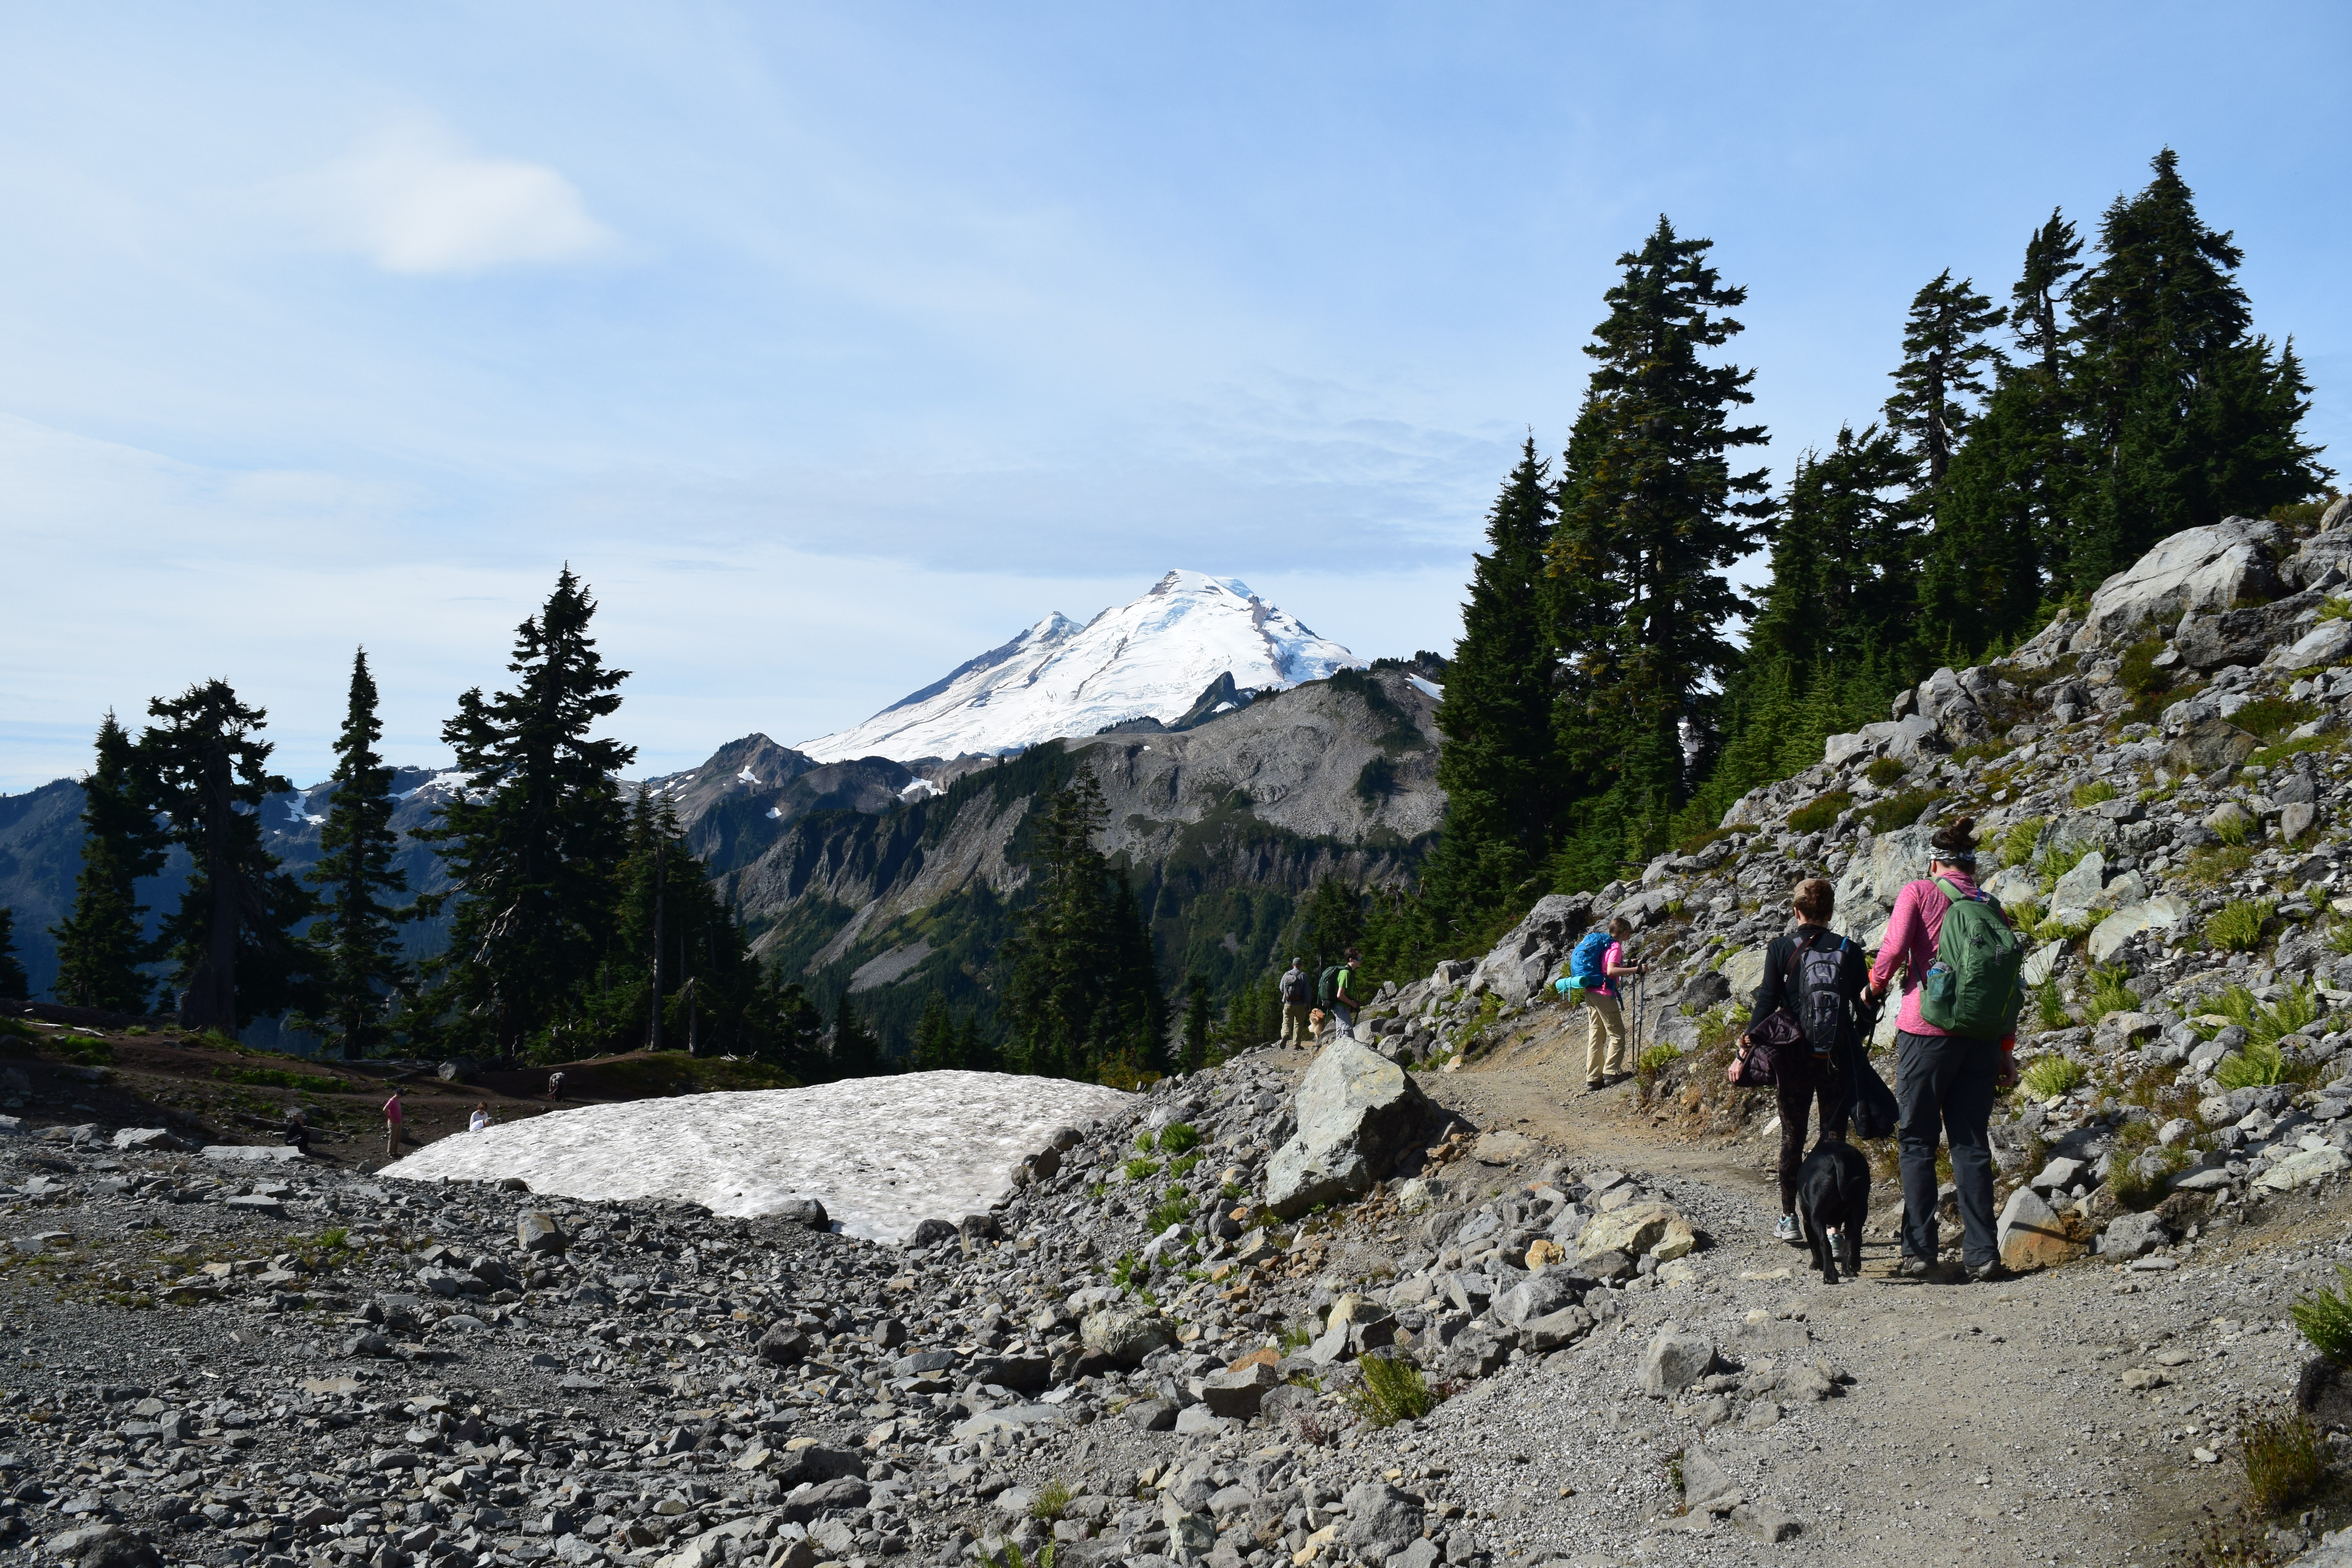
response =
{"points": [[1797, 958], [481, 1117], [1944, 1082]]}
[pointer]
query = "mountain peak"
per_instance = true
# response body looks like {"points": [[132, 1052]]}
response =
{"points": [[1149, 658]]}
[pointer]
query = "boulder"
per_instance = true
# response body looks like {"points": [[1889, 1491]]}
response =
{"points": [[539, 1234], [2032, 1236], [1633, 1229], [2131, 1235], [2207, 744], [2320, 646], [2071, 902], [931, 1232], [1356, 1113], [1124, 1335], [148, 1138], [2302, 1170], [2159, 914], [783, 1345], [2234, 637], [1533, 944], [1238, 1394], [2208, 568], [1381, 1520], [1706, 1488], [1866, 892], [2296, 818], [1545, 1291], [1674, 1360]]}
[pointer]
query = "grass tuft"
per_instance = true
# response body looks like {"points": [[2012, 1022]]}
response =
{"points": [[1821, 813], [1900, 810], [2110, 993], [2017, 843], [2052, 1076], [2285, 1458], [2091, 794], [2237, 926], [2325, 1317], [1051, 1501], [1885, 771], [1178, 1136], [1392, 1390]]}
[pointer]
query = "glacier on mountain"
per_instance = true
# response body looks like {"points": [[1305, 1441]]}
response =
{"points": [[1152, 658]]}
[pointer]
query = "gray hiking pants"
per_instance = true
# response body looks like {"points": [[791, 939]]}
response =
{"points": [[1945, 1085]]}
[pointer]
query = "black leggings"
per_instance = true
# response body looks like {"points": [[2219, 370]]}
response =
{"points": [[1796, 1084]]}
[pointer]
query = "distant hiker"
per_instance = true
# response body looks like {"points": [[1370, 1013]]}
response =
{"points": [[1818, 975], [1604, 1031], [296, 1133], [391, 1114], [1344, 1003], [1956, 1044], [481, 1117], [555, 1086], [1298, 998]]}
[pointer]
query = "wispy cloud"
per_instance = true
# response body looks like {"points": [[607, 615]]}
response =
{"points": [[414, 198]]}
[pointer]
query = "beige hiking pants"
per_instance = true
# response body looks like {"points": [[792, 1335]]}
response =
{"points": [[1604, 1036]]}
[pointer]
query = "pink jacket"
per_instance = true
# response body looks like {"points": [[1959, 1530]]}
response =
{"points": [[1910, 944]]}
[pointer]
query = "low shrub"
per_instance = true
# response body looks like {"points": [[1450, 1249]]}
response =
{"points": [[2270, 718], [1392, 1390], [1051, 1501], [1654, 1061], [2017, 843], [2257, 1065], [2237, 926], [2264, 1023], [1821, 813], [1900, 810], [2110, 993], [2052, 1076], [1885, 771], [2272, 756], [2056, 861], [2285, 1458], [1142, 1169], [2325, 1317], [2092, 794], [2050, 1007], [2139, 674], [1178, 1136], [1174, 1209]]}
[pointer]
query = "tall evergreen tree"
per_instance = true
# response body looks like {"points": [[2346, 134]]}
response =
{"points": [[358, 938], [1946, 357], [973, 1052], [1652, 518], [234, 934], [1845, 555], [2188, 415], [935, 1037], [533, 844], [1080, 991], [1496, 717], [102, 943], [1196, 1024], [856, 1052], [12, 974]]}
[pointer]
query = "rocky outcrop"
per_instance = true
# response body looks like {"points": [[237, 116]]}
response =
{"points": [[1356, 1113], [2206, 569]]}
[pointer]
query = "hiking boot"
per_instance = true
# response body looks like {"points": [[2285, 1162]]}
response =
{"points": [[1787, 1230], [1595, 1085], [1915, 1268], [1989, 1273]]}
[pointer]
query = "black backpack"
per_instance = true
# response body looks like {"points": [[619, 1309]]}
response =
{"points": [[1294, 988], [1824, 1015]]}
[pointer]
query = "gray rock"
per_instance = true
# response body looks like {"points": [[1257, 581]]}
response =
{"points": [[1381, 1520], [783, 1345], [1673, 1361], [1545, 1291], [1238, 1394], [2208, 568], [931, 1232], [1151, 1415], [1197, 1421], [1125, 1335], [804, 1210], [1766, 1521], [2131, 1235], [1356, 1113], [1706, 1485], [539, 1233]]}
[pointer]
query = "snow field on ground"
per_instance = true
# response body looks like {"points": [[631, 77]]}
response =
{"points": [[883, 1154]]}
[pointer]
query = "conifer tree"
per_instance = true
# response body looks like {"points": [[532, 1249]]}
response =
{"points": [[12, 974], [1081, 990], [1652, 518], [1946, 357], [234, 934], [358, 938], [2188, 415], [102, 943], [1196, 1024], [1844, 549], [856, 1052], [935, 1037], [1495, 766], [973, 1053], [533, 844]]}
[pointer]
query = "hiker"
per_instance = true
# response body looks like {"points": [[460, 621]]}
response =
{"points": [[481, 1117], [555, 1086], [1956, 1044], [1343, 996], [1297, 998], [391, 1114], [1604, 1031], [1818, 975], [296, 1132]]}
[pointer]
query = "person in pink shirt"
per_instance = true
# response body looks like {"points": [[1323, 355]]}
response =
{"points": [[392, 1118], [1945, 1083]]}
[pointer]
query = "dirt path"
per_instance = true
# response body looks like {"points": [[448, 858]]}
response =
{"points": [[1984, 1423]]}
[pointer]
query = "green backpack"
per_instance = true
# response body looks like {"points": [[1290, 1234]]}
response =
{"points": [[1972, 988]]}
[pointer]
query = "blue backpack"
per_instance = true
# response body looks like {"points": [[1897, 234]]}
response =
{"points": [[1584, 962]]}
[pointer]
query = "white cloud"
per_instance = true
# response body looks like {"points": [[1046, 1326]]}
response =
{"points": [[415, 199]]}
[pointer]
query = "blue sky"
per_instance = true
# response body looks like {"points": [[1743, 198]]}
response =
{"points": [[832, 345]]}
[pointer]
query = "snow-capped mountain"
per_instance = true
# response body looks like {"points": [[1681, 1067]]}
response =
{"points": [[1149, 659]]}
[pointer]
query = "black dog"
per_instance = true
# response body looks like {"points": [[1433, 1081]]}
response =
{"points": [[1833, 1189]]}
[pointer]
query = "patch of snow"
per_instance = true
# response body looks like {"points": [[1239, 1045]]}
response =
{"points": [[883, 1154], [1152, 656], [747, 776], [775, 811], [920, 789], [1223, 708], [1427, 688], [450, 780]]}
